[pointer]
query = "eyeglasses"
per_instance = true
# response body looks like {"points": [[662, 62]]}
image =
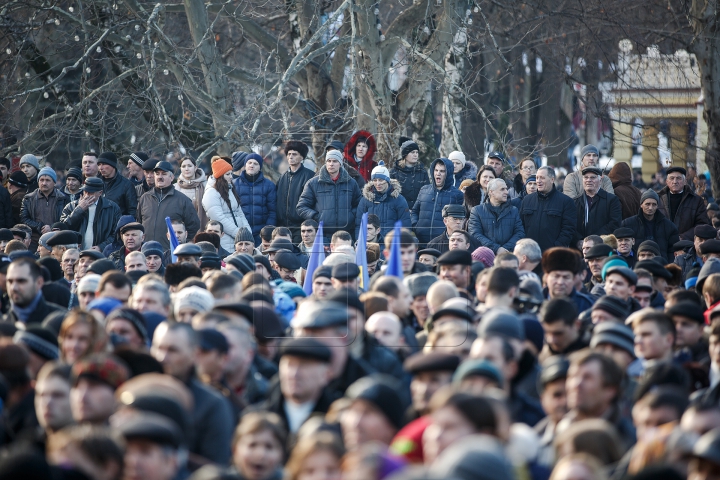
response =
{"points": [[528, 169]]}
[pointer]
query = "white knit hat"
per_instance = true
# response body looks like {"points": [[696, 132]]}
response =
{"points": [[194, 297], [457, 156], [381, 172]]}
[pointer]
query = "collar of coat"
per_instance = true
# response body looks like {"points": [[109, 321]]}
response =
{"points": [[402, 165], [324, 176], [685, 193], [371, 194]]}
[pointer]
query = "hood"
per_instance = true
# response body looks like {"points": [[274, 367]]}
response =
{"points": [[620, 174], [350, 147], [449, 167], [394, 190], [324, 176], [200, 178]]}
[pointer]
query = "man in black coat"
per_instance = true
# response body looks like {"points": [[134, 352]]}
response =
{"points": [[548, 215], [650, 224], [290, 186], [117, 188], [92, 209], [598, 212], [24, 283], [681, 205]]}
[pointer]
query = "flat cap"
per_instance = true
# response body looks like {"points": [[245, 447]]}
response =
{"points": [[431, 362], [210, 339], [682, 245], [323, 271], [624, 232], [650, 246], [479, 368], [345, 271], [705, 231], [150, 164], [94, 254], [163, 166], [532, 290], [598, 251], [676, 169], [710, 246], [132, 226], [688, 309], [63, 237], [453, 210], [306, 347], [104, 368], [503, 322], [466, 314], [188, 249], [92, 185], [430, 251], [101, 266], [152, 427], [654, 267], [613, 305], [383, 392], [347, 297], [629, 275], [455, 257], [279, 244], [419, 283], [6, 235], [321, 315], [594, 170], [553, 368], [287, 259], [615, 334], [240, 308]]}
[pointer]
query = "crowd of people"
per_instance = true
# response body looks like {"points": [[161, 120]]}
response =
{"points": [[163, 322]]}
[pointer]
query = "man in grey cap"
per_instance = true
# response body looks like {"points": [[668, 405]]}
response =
{"points": [[165, 201], [598, 212], [43, 207], [652, 224], [93, 216], [681, 205], [454, 219], [589, 157], [132, 235], [188, 253]]}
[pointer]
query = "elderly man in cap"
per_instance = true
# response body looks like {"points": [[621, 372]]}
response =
{"points": [[327, 322], [429, 257], [44, 206], [553, 398], [430, 371], [455, 266], [188, 253], [132, 235], [375, 413], [287, 265], [681, 206], [93, 216], [560, 266], [95, 379], [304, 373], [626, 245], [290, 186], [598, 212], [61, 242], [87, 257], [589, 157], [165, 201], [117, 188], [152, 446], [454, 219], [692, 258], [595, 259], [652, 224]]}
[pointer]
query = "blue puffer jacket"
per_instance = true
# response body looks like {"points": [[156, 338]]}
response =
{"points": [[390, 206], [258, 201], [426, 214], [335, 203], [496, 227], [468, 172]]}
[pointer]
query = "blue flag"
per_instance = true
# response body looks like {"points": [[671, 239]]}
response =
{"points": [[394, 268], [317, 256], [361, 253], [173, 239]]}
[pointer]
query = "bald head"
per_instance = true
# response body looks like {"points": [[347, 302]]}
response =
{"points": [[440, 292], [386, 328]]}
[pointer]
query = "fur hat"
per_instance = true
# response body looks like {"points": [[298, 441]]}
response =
{"points": [[560, 258], [297, 146]]}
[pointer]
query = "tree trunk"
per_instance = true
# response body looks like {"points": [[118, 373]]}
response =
{"points": [[453, 106]]}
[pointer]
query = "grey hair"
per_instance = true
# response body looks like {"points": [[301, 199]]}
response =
{"points": [[550, 171], [529, 248], [495, 181], [155, 286]]}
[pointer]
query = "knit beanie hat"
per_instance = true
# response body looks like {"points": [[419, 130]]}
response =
{"points": [[220, 168], [254, 156], [244, 235], [19, 179], [382, 392], [49, 172], [588, 149], [649, 193], [335, 155], [380, 172], [531, 178], [238, 160], [194, 297], [30, 159], [40, 341], [74, 172], [408, 147], [484, 255], [457, 156], [108, 158], [152, 248], [243, 262], [134, 317]]}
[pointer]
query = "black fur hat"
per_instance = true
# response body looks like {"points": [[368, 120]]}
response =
{"points": [[561, 258], [298, 146]]}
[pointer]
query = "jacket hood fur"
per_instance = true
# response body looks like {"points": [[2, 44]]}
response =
{"points": [[369, 190]]}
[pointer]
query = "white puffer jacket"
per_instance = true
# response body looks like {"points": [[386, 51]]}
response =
{"points": [[217, 209]]}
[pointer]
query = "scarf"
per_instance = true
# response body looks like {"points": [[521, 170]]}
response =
{"points": [[23, 313]]}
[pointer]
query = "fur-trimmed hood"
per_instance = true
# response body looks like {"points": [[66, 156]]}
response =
{"points": [[324, 176], [200, 179], [474, 195], [469, 171], [394, 190]]}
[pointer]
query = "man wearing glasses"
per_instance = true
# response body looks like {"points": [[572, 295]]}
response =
{"points": [[589, 157]]}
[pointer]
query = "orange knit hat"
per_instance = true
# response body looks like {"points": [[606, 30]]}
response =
{"points": [[220, 168]]}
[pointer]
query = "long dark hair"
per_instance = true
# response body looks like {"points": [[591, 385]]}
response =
{"points": [[223, 188]]}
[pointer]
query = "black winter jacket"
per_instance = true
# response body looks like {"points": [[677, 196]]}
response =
{"points": [[603, 218], [121, 191], [6, 209], [665, 232], [690, 213], [335, 203], [212, 428], [107, 215], [549, 219], [426, 214], [289, 188], [411, 178]]}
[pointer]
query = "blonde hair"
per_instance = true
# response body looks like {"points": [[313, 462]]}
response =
{"points": [[322, 441], [98, 337]]}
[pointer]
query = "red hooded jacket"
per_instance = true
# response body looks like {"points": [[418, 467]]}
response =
{"points": [[368, 163]]}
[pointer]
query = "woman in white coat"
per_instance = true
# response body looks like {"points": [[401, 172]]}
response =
{"points": [[221, 203]]}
